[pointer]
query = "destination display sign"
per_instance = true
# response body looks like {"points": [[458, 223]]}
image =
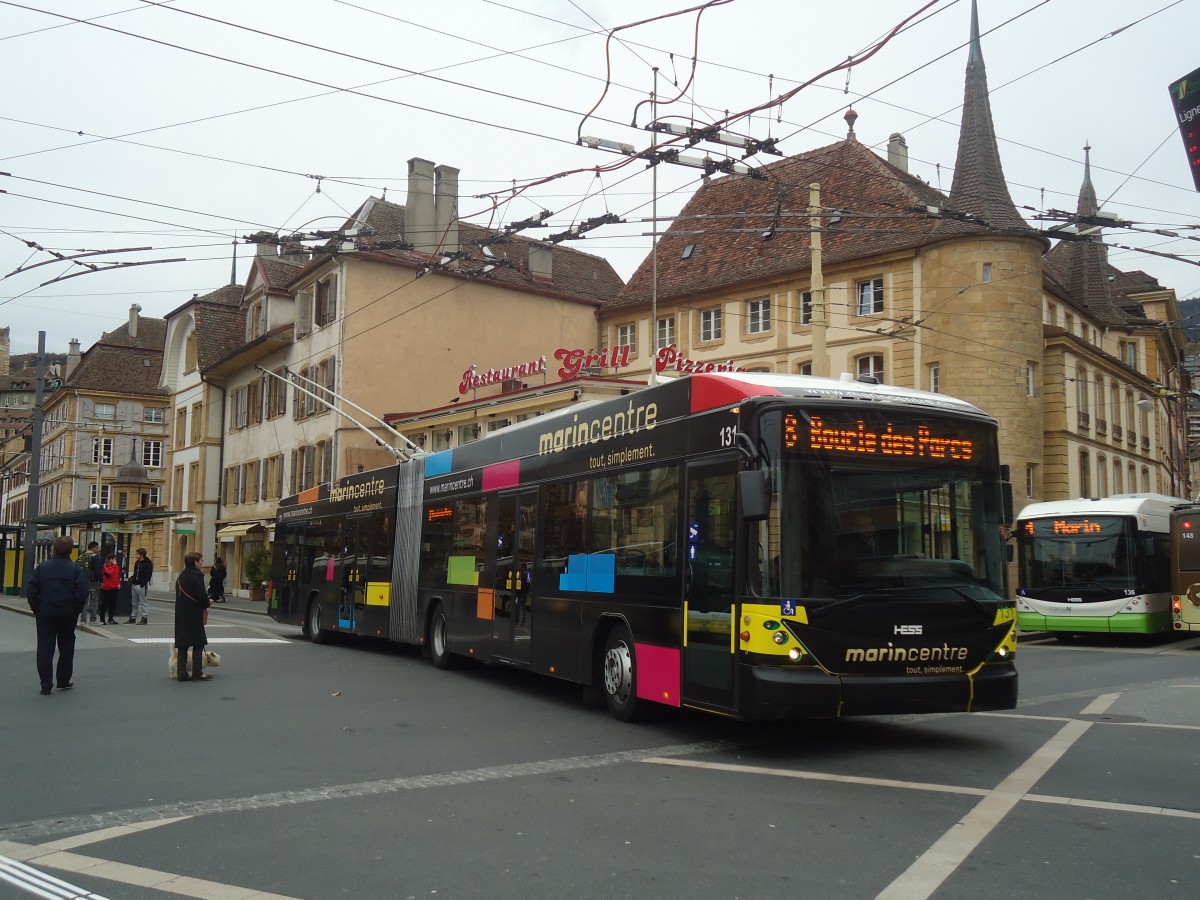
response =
{"points": [[901, 438]]}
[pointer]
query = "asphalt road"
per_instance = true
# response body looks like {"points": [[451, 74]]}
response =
{"points": [[359, 770]]}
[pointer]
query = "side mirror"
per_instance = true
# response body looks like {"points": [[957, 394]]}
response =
{"points": [[1007, 500], [754, 502]]}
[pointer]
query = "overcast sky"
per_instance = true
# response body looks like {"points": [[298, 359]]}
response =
{"points": [[151, 127]]}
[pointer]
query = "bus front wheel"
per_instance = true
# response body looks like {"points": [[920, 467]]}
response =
{"points": [[438, 642], [312, 625], [619, 671]]}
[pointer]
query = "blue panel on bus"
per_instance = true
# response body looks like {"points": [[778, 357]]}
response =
{"points": [[575, 577], [438, 463], [600, 572], [589, 573]]}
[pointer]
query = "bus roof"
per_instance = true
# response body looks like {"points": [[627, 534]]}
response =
{"points": [[1114, 505]]}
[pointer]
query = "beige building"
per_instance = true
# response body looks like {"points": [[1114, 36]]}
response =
{"points": [[951, 294]]}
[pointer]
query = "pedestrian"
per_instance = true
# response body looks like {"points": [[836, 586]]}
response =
{"points": [[216, 580], [91, 563], [191, 612], [143, 570], [58, 591], [110, 586]]}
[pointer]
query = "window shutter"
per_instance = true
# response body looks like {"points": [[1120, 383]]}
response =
{"points": [[304, 302]]}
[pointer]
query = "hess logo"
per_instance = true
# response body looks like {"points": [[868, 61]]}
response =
{"points": [[907, 629]]}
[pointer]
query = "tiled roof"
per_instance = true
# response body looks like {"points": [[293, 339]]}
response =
{"points": [[119, 369], [882, 210], [279, 270], [151, 333], [575, 275], [220, 330]]}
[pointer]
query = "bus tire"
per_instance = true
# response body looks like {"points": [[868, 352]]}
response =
{"points": [[312, 624], [439, 650], [1065, 637], [618, 674]]}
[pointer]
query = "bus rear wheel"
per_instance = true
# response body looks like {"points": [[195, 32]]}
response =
{"points": [[439, 650], [618, 668], [312, 624]]}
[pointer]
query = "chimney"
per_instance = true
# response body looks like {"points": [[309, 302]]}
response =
{"points": [[446, 208], [134, 309], [419, 221], [541, 261], [898, 151], [72, 358]]}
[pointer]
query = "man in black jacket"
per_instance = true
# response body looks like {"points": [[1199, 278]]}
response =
{"points": [[57, 593]]}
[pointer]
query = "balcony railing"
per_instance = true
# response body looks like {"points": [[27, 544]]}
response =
{"points": [[1085, 422]]}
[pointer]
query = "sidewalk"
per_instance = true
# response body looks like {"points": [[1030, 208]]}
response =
{"points": [[154, 595]]}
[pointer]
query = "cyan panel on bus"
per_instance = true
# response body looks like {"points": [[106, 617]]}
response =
{"points": [[438, 463], [575, 577], [585, 572], [602, 568]]}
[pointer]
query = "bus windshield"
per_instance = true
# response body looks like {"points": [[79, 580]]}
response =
{"points": [[1077, 553], [880, 504]]}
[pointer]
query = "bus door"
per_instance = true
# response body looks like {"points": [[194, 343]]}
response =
{"points": [[351, 572], [708, 584], [513, 568]]}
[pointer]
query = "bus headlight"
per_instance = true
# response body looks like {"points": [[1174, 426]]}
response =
{"points": [[1002, 653], [794, 654]]}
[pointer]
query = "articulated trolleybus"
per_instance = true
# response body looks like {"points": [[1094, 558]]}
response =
{"points": [[753, 545], [1185, 568], [1095, 565]]}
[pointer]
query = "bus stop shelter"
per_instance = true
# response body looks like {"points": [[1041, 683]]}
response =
{"points": [[118, 530]]}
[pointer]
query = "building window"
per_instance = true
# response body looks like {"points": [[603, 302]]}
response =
{"points": [[102, 451], [180, 428], [107, 411], [177, 489], [1129, 354], [254, 402], [195, 491], [664, 333], [152, 455], [325, 305], [804, 368], [987, 273], [1030, 480], [256, 320], [710, 324], [870, 297], [1081, 396], [806, 311], [153, 496], [155, 415], [870, 365], [935, 379], [101, 497], [1117, 479], [758, 315], [627, 336], [197, 422], [189, 353], [1101, 476], [253, 480], [277, 395], [1085, 474], [1031, 379]]}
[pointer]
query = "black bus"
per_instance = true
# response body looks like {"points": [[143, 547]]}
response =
{"points": [[753, 545]]}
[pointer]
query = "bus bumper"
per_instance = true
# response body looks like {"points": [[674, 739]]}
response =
{"points": [[780, 693]]}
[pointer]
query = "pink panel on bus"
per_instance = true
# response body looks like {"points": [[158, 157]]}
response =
{"points": [[658, 673], [502, 475], [715, 391], [329, 570]]}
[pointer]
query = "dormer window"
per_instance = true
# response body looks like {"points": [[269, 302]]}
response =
{"points": [[325, 301]]}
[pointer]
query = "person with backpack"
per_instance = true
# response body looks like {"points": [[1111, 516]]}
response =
{"points": [[92, 565]]}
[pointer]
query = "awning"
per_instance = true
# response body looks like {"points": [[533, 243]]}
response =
{"points": [[229, 532]]}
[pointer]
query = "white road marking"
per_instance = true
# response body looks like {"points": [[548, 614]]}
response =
{"points": [[938, 863], [39, 884], [1100, 705]]}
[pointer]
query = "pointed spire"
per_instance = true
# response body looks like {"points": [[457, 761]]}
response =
{"points": [[233, 271], [851, 117], [1087, 194], [979, 187]]}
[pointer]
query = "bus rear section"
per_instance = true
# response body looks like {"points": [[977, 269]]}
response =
{"points": [[1185, 569], [1095, 566]]}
